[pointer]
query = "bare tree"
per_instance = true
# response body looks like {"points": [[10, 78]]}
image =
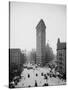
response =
{"points": [[49, 55], [33, 56]]}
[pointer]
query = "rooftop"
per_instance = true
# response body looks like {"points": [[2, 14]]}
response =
{"points": [[61, 46], [41, 24]]}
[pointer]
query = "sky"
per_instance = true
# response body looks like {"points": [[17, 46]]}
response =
{"points": [[24, 18]]}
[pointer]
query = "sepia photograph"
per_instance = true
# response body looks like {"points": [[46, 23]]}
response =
{"points": [[37, 44]]}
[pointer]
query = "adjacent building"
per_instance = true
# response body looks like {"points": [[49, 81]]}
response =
{"points": [[61, 56], [15, 56]]}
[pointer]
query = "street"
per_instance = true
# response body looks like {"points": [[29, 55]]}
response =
{"points": [[38, 77]]}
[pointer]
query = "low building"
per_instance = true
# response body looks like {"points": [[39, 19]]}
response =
{"points": [[14, 56], [14, 63], [61, 57]]}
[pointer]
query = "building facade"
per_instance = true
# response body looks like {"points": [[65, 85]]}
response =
{"points": [[40, 42], [61, 56], [15, 56]]}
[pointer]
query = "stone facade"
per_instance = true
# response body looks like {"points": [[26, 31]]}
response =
{"points": [[61, 57], [40, 42], [14, 56]]}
